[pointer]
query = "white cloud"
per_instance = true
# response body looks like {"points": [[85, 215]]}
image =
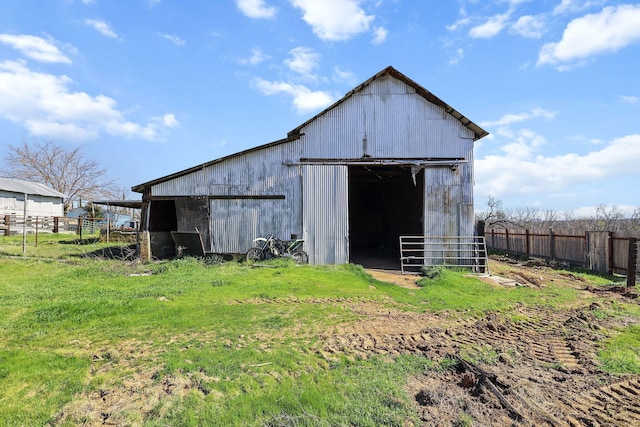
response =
{"points": [[101, 27], [379, 35], [334, 20], [45, 106], [526, 172], [529, 26], [174, 39], [304, 99], [304, 61], [462, 22], [256, 8], [629, 99], [35, 48], [592, 211], [459, 55], [522, 168], [605, 32], [257, 56], [511, 118], [342, 76], [169, 120], [572, 6], [491, 28]]}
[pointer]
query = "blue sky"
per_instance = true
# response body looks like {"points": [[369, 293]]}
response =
{"points": [[151, 87]]}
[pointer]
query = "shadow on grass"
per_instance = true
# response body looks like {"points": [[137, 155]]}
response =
{"points": [[87, 241], [124, 253]]}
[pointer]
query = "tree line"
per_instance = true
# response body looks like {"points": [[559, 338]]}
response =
{"points": [[606, 218]]}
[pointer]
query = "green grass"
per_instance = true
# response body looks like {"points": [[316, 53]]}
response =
{"points": [[452, 290], [243, 339], [621, 354], [49, 245]]}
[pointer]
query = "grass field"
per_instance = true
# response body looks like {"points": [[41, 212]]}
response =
{"points": [[188, 342]]}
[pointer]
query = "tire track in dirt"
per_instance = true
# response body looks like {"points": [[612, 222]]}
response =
{"points": [[614, 404], [547, 356]]}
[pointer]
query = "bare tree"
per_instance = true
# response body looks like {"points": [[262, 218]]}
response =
{"points": [[609, 218], [494, 216], [65, 170]]}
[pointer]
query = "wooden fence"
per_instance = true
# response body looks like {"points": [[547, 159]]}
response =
{"points": [[16, 224], [601, 251]]}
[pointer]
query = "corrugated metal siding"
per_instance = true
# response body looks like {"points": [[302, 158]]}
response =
{"points": [[443, 207], [12, 203], [386, 119], [326, 214], [235, 223]]}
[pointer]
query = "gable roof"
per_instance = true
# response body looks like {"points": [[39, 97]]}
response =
{"points": [[28, 187], [390, 71], [295, 133]]}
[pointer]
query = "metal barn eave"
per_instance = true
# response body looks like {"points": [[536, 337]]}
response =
{"points": [[477, 130], [140, 187], [130, 204]]}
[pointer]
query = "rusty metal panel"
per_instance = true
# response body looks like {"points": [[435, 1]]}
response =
{"points": [[326, 214], [445, 212]]}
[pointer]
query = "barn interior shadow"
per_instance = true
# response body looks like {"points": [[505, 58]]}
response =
{"points": [[385, 202]]}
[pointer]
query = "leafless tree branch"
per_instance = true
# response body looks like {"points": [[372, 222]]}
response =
{"points": [[65, 170]]}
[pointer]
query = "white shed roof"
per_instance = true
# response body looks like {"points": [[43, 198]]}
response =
{"points": [[31, 188]]}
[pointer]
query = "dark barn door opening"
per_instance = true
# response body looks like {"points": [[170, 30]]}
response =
{"points": [[384, 203]]}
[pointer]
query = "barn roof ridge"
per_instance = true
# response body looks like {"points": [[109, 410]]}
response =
{"points": [[295, 133]]}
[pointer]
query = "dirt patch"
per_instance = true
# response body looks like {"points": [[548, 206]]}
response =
{"points": [[121, 392], [539, 364], [396, 277]]}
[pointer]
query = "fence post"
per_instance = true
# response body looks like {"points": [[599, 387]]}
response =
{"points": [[552, 244], [7, 223], [587, 254], [506, 233], [56, 224], [80, 219], [632, 261], [610, 258], [527, 243]]}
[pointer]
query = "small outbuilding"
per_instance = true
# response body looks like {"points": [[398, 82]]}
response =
{"points": [[388, 159], [41, 201]]}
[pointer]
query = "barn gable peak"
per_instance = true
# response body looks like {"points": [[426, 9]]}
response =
{"points": [[420, 90]]}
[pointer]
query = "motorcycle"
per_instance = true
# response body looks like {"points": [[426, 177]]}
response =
{"points": [[272, 247]]}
